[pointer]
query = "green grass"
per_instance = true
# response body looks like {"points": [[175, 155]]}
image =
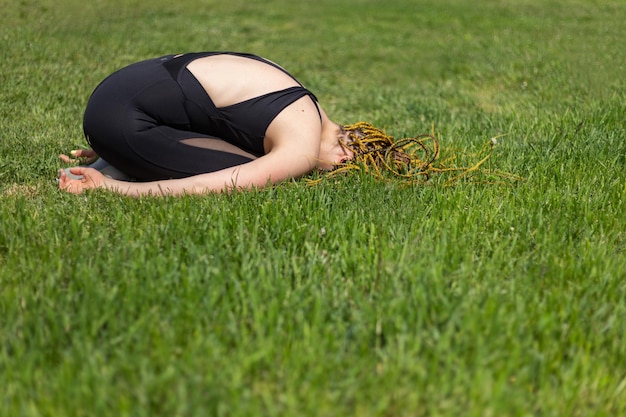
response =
{"points": [[353, 297]]}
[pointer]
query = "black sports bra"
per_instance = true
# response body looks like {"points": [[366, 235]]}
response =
{"points": [[243, 124]]}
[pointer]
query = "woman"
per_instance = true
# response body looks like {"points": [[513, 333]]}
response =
{"points": [[202, 122]]}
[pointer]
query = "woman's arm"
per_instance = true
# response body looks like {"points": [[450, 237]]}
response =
{"points": [[270, 169]]}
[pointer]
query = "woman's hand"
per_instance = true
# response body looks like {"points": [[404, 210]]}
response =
{"points": [[89, 178], [81, 156]]}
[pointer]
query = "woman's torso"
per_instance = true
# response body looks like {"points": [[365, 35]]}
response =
{"points": [[244, 94]]}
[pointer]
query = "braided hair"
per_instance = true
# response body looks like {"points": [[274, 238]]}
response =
{"points": [[413, 159]]}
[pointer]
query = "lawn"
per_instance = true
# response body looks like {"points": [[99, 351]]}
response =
{"points": [[353, 297]]}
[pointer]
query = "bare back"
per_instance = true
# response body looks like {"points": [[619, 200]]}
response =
{"points": [[231, 79]]}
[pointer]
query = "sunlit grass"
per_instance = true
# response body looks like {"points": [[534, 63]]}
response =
{"points": [[351, 297]]}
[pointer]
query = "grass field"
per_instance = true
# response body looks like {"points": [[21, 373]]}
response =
{"points": [[354, 297]]}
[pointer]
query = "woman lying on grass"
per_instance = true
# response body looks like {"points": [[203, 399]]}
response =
{"points": [[202, 122], [219, 121]]}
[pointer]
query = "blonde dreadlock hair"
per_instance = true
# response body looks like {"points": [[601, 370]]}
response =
{"points": [[413, 159]]}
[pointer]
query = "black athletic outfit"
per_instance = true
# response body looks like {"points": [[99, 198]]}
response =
{"points": [[137, 117]]}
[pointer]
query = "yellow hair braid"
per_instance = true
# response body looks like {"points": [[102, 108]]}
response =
{"points": [[413, 159]]}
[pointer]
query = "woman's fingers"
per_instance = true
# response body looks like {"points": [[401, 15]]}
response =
{"points": [[79, 156], [65, 183], [74, 181], [89, 178], [67, 159], [84, 153]]}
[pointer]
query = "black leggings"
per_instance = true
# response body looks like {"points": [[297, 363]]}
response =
{"points": [[137, 118]]}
